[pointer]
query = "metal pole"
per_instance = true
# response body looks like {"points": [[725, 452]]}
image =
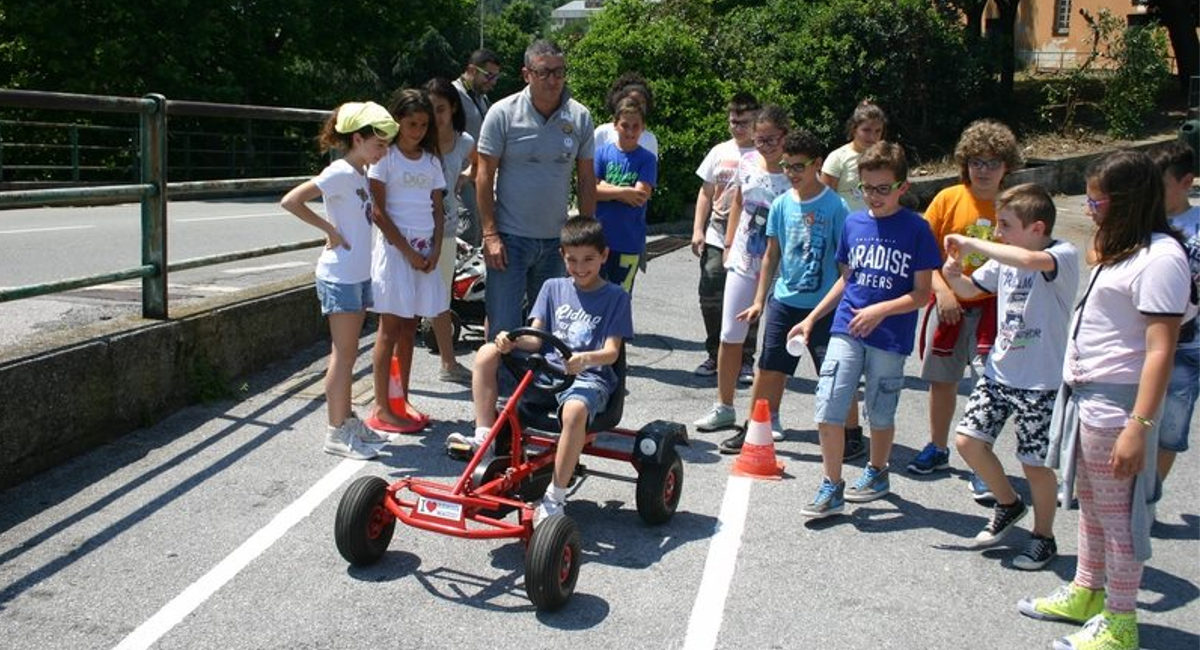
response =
{"points": [[154, 207], [74, 153], [481, 24]]}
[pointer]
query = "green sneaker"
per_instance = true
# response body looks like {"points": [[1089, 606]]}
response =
{"points": [[1069, 602], [1104, 631]]}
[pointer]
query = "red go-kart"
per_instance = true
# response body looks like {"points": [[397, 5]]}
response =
{"points": [[495, 485]]}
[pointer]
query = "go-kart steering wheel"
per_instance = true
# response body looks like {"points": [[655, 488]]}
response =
{"points": [[547, 376]]}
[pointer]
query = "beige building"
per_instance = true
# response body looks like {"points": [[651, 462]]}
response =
{"points": [[1052, 35]]}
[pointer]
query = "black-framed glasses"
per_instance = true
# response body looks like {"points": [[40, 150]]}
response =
{"points": [[879, 190], [980, 164], [545, 73], [797, 167], [769, 141]]}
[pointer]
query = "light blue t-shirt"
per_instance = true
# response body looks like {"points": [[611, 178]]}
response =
{"points": [[584, 320], [884, 256], [808, 233]]}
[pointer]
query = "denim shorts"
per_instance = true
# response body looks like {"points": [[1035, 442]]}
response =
{"points": [[847, 359], [778, 321], [593, 395], [1180, 401], [344, 298]]}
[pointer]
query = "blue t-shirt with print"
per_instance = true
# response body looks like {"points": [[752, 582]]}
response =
{"points": [[808, 233], [883, 256], [584, 320], [624, 224]]}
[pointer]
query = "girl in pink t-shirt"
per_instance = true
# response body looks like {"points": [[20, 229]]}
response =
{"points": [[1119, 356]]}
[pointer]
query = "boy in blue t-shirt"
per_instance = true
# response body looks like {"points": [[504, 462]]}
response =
{"points": [[626, 174], [590, 315], [887, 254], [804, 226]]}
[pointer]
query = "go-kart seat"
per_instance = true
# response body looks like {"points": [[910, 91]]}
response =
{"points": [[538, 409]]}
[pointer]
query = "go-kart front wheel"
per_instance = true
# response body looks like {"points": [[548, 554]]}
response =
{"points": [[658, 488], [363, 527], [552, 563]]}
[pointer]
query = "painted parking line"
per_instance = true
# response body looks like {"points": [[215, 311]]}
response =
{"points": [[48, 229], [199, 591], [230, 217], [709, 608], [269, 267]]}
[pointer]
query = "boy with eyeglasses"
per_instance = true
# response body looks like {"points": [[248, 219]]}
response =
{"points": [[804, 226], [958, 327], [886, 254]]}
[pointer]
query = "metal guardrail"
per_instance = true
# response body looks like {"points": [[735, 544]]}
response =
{"points": [[153, 189]]}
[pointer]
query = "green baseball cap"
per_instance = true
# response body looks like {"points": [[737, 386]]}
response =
{"points": [[353, 116]]}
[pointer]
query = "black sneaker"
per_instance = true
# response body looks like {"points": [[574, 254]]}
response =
{"points": [[733, 444], [855, 447], [1038, 553], [1003, 520]]}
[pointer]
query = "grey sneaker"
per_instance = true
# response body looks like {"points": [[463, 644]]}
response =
{"points": [[719, 417], [830, 500], [456, 374], [707, 368], [364, 433], [1038, 553], [873, 484], [746, 374], [1003, 520], [343, 442]]}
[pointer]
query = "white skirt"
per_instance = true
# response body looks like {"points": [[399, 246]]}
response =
{"points": [[399, 289]]}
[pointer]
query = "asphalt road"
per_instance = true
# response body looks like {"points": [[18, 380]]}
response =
{"points": [[214, 529]]}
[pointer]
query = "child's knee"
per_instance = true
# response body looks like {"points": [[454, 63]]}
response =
{"points": [[968, 446]]}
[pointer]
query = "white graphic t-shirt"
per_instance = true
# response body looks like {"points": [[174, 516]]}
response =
{"points": [[348, 208], [759, 189]]}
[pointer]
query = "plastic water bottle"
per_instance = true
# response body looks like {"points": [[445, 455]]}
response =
{"points": [[796, 345]]}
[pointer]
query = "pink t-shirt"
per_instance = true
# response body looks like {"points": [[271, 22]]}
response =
{"points": [[1108, 340]]}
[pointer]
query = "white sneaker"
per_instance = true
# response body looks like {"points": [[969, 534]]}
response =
{"points": [[719, 417], [364, 433], [547, 507], [343, 442], [776, 428]]}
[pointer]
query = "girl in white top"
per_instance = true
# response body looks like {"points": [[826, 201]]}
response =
{"points": [[362, 132], [1119, 356], [630, 84], [840, 171], [406, 186], [457, 150]]}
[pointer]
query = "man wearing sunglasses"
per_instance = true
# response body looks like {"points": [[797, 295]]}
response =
{"points": [[473, 85], [530, 146]]}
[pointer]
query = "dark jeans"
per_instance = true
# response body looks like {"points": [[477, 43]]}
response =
{"points": [[712, 291]]}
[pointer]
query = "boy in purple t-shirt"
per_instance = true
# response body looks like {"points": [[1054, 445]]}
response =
{"points": [[593, 317], [887, 254]]}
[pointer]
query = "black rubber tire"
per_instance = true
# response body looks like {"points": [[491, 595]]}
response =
{"points": [[659, 486], [552, 563], [363, 527]]}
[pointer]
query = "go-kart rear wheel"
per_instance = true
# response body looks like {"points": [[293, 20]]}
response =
{"points": [[552, 563], [363, 527], [658, 488]]}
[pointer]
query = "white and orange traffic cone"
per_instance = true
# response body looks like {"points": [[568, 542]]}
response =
{"points": [[398, 403], [757, 458]]}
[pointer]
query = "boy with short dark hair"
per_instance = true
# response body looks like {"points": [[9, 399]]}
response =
{"points": [[589, 314], [886, 254], [626, 174], [1034, 278], [1178, 163]]}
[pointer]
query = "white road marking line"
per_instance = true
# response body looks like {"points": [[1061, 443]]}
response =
{"points": [[136, 286], [230, 217], [53, 229], [709, 608], [186, 602], [269, 267]]}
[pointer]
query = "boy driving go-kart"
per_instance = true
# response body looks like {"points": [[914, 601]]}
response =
{"points": [[593, 318]]}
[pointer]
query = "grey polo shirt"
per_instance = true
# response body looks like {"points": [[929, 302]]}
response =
{"points": [[474, 107], [537, 157]]}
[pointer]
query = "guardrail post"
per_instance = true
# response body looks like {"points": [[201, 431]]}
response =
{"points": [[154, 207], [74, 132]]}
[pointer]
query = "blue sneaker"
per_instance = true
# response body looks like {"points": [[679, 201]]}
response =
{"points": [[982, 493], [871, 485], [930, 460], [830, 500]]}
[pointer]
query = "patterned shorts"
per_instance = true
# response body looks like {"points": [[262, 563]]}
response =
{"points": [[990, 406]]}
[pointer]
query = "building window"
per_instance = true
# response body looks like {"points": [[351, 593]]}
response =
{"points": [[1062, 17]]}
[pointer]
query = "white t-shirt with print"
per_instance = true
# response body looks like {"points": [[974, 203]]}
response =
{"points": [[1033, 310], [410, 185], [720, 168], [759, 189], [348, 208], [842, 163], [606, 133], [1108, 335]]}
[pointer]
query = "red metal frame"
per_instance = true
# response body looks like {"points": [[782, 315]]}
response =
{"points": [[471, 502]]}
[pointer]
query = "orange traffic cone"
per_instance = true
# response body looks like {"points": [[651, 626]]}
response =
{"points": [[399, 406], [757, 459]]}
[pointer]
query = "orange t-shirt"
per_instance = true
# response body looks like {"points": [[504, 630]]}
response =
{"points": [[956, 211]]}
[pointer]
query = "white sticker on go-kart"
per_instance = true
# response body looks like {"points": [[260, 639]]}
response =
{"points": [[439, 509]]}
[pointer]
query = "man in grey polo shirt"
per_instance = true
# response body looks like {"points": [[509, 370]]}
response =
{"points": [[530, 144]]}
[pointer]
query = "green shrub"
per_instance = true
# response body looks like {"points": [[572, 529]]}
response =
{"points": [[1140, 57]]}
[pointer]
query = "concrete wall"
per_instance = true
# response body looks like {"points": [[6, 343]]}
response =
{"points": [[82, 393]]}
